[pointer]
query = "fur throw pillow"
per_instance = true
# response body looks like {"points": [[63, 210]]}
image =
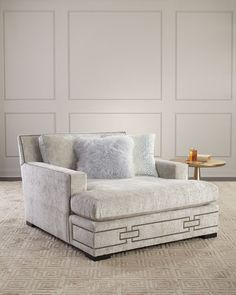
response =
{"points": [[107, 157]]}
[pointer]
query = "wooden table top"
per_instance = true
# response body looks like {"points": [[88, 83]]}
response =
{"points": [[209, 164]]}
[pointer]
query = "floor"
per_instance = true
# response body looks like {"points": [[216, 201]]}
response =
{"points": [[33, 262]]}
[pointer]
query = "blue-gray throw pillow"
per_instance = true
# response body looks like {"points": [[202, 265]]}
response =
{"points": [[144, 161]]}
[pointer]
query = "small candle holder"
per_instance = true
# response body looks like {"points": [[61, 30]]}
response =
{"points": [[192, 155]]}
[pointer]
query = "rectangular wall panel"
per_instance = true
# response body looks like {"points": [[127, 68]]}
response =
{"points": [[208, 133], [115, 55], [28, 55], [204, 43], [131, 123], [26, 123]]}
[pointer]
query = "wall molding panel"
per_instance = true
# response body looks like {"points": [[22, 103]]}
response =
{"points": [[163, 67], [8, 54], [110, 14], [190, 55]]}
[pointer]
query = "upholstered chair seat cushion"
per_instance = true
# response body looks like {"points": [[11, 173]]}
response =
{"points": [[114, 199]]}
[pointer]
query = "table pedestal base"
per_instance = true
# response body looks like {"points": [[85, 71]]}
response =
{"points": [[197, 173]]}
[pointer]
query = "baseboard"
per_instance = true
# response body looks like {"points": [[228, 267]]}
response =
{"points": [[204, 178], [219, 178], [10, 179]]}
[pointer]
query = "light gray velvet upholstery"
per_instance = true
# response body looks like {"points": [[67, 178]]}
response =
{"points": [[47, 191], [105, 237], [113, 199], [171, 170], [28, 146], [57, 149]]}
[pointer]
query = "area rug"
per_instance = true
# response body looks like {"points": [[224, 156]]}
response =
{"points": [[33, 262]]}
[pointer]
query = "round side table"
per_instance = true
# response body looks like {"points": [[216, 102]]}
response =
{"points": [[197, 165]]}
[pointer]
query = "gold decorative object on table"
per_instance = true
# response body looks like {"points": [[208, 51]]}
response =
{"points": [[192, 155], [206, 162]]}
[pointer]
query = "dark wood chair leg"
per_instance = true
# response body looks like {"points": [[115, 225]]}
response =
{"points": [[214, 235], [30, 224], [97, 258]]}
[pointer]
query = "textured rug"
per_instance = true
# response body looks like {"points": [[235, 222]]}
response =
{"points": [[33, 262]]}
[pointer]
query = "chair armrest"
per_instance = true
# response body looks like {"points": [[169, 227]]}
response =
{"points": [[77, 179], [171, 170], [52, 185], [47, 192]]}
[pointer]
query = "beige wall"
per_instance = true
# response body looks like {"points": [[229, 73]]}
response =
{"points": [[166, 67]]}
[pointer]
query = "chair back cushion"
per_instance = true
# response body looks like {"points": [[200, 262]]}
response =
{"points": [[29, 151], [58, 149]]}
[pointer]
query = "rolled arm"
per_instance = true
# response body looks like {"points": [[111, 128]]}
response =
{"points": [[171, 170]]}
